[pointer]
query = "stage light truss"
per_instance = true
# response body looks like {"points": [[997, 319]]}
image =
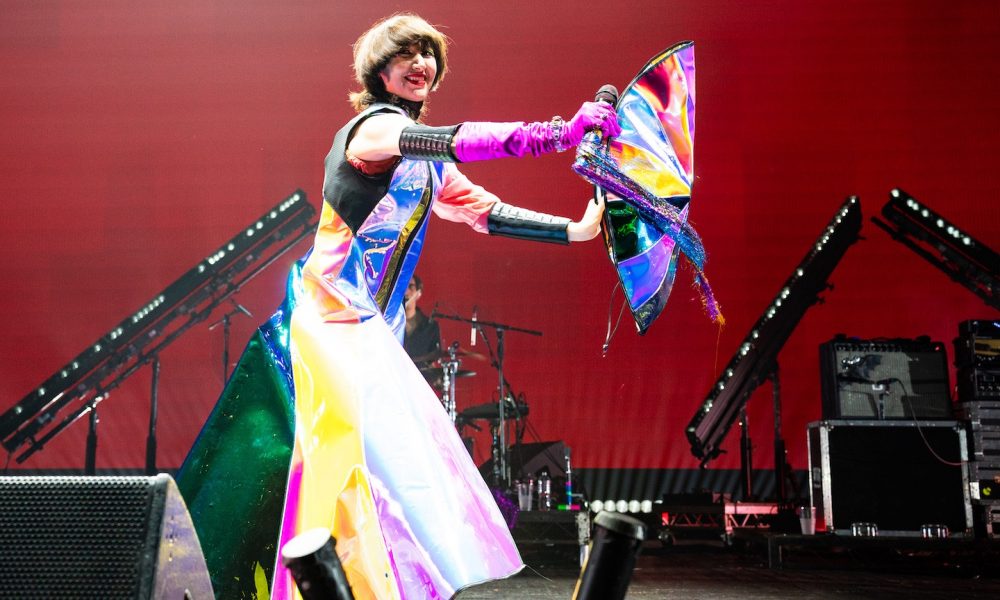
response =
{"points": [[963, 258], [726, 517], [87, 379], [756, 357]]}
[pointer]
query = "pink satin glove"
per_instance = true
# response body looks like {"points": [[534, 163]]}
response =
{"points": [[483, 140], [591, 116]]}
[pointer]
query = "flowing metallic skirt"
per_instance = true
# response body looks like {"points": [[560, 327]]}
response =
{"points": [[378, 462]]}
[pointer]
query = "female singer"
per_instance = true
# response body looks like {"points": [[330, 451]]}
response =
{"points": [[377, 461]]}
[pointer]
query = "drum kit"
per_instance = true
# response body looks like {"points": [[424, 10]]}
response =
{"points": [[442, 369]]}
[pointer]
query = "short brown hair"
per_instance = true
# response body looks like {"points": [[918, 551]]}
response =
{"points": [[376, 47]]}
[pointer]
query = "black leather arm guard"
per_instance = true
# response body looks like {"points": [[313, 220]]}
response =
{"points": [[421, 142], [511, 221]]}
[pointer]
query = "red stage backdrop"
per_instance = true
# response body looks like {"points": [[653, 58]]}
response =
{"points": [[138, 137]]}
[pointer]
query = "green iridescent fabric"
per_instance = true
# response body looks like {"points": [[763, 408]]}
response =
{"points": [[233, 479]]}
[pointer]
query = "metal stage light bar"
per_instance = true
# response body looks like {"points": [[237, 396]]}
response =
{"points": [[756, 358], [140, 337], [961, 257]]}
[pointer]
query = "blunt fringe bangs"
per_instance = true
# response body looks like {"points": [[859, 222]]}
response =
{"points": [[376, 47]]}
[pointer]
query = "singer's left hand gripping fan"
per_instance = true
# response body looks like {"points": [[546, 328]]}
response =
{"points": [[650, 168]]}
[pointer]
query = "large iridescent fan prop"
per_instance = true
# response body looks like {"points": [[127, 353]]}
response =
{"points": [[648, 171]]}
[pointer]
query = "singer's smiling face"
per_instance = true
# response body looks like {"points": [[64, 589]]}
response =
{"points": [[410, 72]]}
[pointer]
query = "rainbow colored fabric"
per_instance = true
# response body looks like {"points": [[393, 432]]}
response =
{"points": [[233, 479], [377, 460], [374, 457], [412, 516], [649, 170], [379, 463]]}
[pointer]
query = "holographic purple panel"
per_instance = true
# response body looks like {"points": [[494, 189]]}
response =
{"points": [[651, 167]]}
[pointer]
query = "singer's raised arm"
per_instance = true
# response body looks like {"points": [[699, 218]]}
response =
{"points": [[391, 134]]}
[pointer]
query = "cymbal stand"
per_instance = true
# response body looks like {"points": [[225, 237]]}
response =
{"points": [[501, 465], [449, 368], [498, 444], [498, 428]]}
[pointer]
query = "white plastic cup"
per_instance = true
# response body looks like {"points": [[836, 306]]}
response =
{"points": [[525, 491], [807, 519]]}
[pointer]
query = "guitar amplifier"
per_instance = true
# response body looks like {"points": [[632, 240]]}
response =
{"points": [[884, 379]]}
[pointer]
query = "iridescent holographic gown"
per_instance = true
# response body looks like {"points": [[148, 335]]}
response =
{"points": [[376, 458]]}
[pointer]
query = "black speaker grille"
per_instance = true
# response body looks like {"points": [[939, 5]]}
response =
{"points": [[73, 537]]}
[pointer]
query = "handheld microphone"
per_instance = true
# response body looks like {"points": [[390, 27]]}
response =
{"points": [[472, 330], [608, 94]]}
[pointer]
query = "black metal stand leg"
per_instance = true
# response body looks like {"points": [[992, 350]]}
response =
{"points": [[151, 436], [90, 459], [779, 441], [504, 469], [497, 479], [225, 348], [746, 457], [226, 322]]}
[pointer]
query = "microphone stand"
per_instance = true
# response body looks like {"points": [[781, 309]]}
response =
{"points": [[225, 321], [501, 468]]}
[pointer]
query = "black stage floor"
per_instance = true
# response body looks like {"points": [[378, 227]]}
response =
{"points": [[741, 571]]}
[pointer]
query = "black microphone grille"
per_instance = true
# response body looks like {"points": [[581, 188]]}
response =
{"points": [[608, 93]]}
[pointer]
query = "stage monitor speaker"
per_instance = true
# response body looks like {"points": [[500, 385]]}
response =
{"points": [[98, 537], [890, 379], [532, 459], [896, 475]]}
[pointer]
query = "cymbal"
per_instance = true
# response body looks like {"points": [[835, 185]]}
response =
{"points": [[444, 355], [436, 371]]}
